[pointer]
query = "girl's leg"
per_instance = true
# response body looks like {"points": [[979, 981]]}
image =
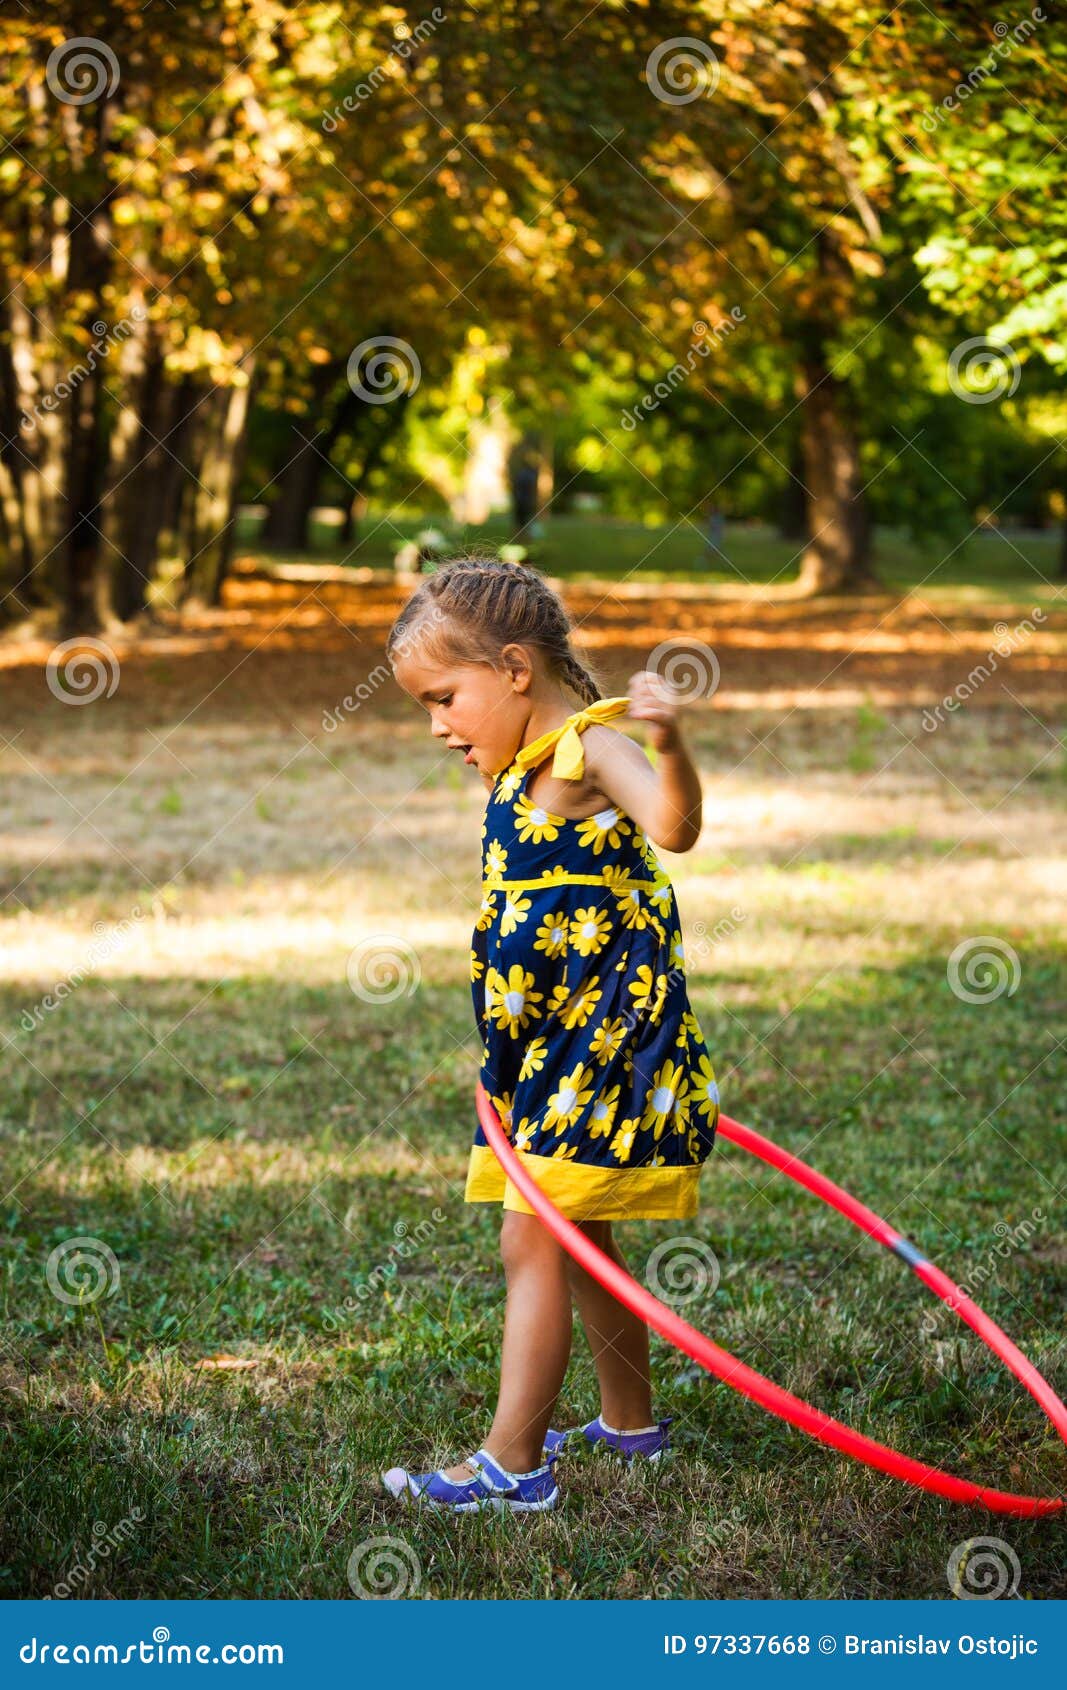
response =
{"points": [[617, 1338], [537, 1344]]}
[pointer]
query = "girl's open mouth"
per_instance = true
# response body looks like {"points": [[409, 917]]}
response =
{"points": [[469, 754]]}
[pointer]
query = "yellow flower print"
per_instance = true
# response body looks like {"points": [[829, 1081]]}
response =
{"points": [[607, 827], [575, 1008], [565, 1153], [677, 950], [477, 966], [552, 935], [514, 1004], [496, 861], [705, 1091], [525, 1134], [667, 1099], [660, 895], [590, 930], [607, 1039], [616, 879], [604, 1111], [487, 913], [494, 985], [643, 987], [644, 845], [623, 1142], [509, 784], [502, 1105], [534, 822], [533, 1058], [566, 1104], [631, 909], [516, 910]]}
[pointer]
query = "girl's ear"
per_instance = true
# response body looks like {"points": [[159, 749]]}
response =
{"points": [[518, 665]]}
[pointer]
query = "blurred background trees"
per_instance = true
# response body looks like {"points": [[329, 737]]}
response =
{"points": [[665, 259]]}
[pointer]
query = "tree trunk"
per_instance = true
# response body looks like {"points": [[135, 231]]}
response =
{"points": [[304, 457], [387, 428], [213, 501], [793, 505], [130, 508], [837, 558]]}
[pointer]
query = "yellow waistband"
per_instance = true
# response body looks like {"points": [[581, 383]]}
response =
{"points": [[568, 880]]}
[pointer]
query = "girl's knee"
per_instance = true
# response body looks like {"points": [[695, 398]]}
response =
{"points": [[524, 1240], [598, 1233]]}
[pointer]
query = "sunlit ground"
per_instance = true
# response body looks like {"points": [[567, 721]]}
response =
{"points": [[275, 1163]]}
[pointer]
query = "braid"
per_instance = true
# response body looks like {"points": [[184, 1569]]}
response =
{"points": [[578, 678], [471, 607]]}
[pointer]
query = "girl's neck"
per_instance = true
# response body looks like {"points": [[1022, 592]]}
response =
{"points": [[548, 714]]}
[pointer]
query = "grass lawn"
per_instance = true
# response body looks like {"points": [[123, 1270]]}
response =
{"points": [[271, 1166], [581, 548]]}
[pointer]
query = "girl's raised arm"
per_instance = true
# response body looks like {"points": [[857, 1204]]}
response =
{"points": [[666, 800]]}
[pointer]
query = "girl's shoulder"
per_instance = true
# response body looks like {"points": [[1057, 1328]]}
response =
{"points": [[574, 800], [578, 799]]}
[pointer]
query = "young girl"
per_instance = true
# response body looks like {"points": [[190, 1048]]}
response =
{"points": [[592, 1056]]}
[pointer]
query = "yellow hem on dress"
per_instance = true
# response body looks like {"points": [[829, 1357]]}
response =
{"points": [[584, 1192]]}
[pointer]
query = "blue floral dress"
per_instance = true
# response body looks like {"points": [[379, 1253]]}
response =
{"points": [[592, 1055]]}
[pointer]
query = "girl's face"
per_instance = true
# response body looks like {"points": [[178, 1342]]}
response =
{"points": [[476, 710]]}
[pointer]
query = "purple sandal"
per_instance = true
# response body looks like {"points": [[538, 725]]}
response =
{"points": [[650, 1442], [491, 1486]]}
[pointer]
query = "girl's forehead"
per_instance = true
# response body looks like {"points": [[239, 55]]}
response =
{"points": [[419, 675]]}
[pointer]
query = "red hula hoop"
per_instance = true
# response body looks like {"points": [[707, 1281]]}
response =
{"points": [[745, 1379]]}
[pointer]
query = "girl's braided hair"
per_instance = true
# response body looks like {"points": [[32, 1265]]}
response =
{"points": [[471, 607]]}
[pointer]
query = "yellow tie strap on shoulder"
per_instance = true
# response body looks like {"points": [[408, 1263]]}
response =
{"points": [[569, 760]]}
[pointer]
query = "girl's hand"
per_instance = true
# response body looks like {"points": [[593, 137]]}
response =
{"points": [[653, 701]]}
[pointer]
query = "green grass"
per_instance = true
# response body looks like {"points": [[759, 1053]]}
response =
{"points": [[276, 1166], [598, 547], [248, 1199]]}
